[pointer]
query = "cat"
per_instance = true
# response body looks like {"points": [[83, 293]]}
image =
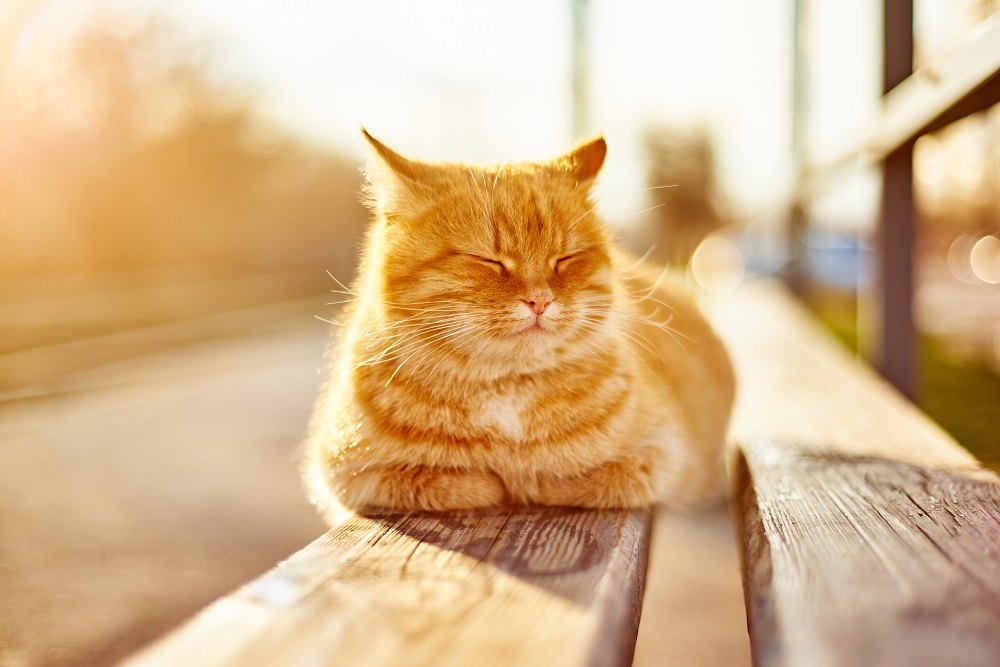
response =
{"points": [[501, 349]]}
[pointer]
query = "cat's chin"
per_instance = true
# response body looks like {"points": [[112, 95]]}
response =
{"points": [[523, 347], [533, 329]]}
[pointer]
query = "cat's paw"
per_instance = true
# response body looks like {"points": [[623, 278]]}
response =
{"points": [[419, 488], [612, 484]]}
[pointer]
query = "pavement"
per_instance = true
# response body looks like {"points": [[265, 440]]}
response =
{"points": [[135, 490]]}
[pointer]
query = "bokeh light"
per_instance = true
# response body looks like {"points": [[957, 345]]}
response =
{"points": [[984, 259], [717, 265]]}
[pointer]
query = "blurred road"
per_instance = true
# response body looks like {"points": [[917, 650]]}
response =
{"points": [[135, 490]]}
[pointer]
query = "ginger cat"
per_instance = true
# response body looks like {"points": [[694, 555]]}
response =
{"points": [[501, 349]]}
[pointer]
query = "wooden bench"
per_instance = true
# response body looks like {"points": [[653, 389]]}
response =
{"points": [[868, 537]]}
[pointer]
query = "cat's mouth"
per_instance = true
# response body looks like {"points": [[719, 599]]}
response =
{"points": [[533, 328]]}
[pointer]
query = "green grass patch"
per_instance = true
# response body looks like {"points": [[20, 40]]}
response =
{"points": [[961, 395]]}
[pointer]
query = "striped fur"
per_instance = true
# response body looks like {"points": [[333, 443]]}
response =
{"points": [[450, 391]]}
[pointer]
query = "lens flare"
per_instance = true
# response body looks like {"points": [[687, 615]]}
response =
{"points": [[717, 265]]}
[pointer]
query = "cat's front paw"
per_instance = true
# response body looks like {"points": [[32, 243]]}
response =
{"points": [[612, 484], [419, 488]]}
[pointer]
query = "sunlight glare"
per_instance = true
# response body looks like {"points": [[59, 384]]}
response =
{"points": [[985, 259], [717, 265]]}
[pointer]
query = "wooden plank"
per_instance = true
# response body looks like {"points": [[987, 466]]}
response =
{"points": [[546, 586], [962, 81], [953, 85], [869, 537]]}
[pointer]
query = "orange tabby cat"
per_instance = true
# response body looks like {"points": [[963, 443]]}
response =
{"points": [[501, 349]]}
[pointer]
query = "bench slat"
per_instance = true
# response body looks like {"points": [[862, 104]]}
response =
{"points": [[955, 84], [870, 537], [548, 586]]}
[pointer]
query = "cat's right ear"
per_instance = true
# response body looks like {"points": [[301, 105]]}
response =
{"points": [[400, 165], [395, 184]]}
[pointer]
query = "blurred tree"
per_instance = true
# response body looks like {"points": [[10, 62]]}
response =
{"points": [[119, 151]]}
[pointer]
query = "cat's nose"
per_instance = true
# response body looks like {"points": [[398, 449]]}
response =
{"points": [[538, 302]]}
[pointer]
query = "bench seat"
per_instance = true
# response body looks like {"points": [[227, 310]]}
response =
{"points": [[867, 537]]}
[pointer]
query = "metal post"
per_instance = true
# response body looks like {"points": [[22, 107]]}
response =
{"points": [[579, 11], [794, 272], [895, 337]]}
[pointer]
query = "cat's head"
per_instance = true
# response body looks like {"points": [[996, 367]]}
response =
{"points": [[507, 261]]}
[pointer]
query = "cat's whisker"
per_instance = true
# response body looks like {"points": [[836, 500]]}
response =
{"points": [[443, 307], [340, 303], [424, 314], [398, 327], [393, 330], [389, 355], [411, 330], [434, 326], [433, 300], [642, 258], [403, 342], [420, 320], [637, 213], [602, 333], [342, 285], [656, 283], [432, 372], [652, 300], [446, 310], [496, 178], [644, 343], [410, 356], [650, 319], [674, 334], [583, 215], [434, 330]]}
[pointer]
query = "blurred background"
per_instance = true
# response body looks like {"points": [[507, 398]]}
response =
{"points": [[179, 180]]}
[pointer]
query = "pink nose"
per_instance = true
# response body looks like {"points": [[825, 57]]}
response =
{"points": [[538, 303]]}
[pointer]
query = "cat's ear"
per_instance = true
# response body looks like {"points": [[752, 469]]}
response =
{"points": [[396, 184], [399, 165], [584, 162]]}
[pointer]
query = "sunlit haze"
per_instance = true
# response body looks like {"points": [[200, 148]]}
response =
{"points": [[486, 82]]}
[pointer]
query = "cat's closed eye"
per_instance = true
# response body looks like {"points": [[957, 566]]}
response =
{"points": [[495, 264], [562, 262]]}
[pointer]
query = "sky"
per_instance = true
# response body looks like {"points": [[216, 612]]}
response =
{"points": [[491, 82]]}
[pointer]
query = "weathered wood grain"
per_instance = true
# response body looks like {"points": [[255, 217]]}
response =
{"points": [[546, 586], [869, 536]]}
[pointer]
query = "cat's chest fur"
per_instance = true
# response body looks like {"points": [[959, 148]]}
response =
{"points": [[501, 410]]}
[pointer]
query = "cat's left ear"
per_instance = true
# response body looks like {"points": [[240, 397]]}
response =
{"points": [[584, 162]]}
